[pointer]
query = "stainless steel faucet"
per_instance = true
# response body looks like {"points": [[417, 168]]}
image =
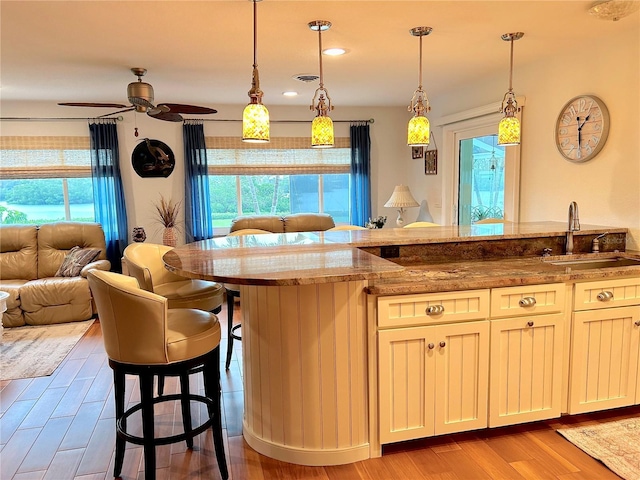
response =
{"points": [[573, 226]]}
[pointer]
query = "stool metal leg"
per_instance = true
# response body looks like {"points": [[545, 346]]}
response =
{"points": [[186, 409], [211, 374], [230, 304], [148, 430], [119, 391]]}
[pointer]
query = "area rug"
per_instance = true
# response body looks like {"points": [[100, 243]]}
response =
{"points": [[616, 444], [36, 351]]}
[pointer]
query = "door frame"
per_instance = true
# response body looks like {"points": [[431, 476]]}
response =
{"points": [[454, 128]]}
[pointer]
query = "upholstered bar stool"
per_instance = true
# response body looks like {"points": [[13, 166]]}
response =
{"points": [[143, 337], [233, 292]]}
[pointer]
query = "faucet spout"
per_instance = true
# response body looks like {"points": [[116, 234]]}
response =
{"points": [[573, 226]]}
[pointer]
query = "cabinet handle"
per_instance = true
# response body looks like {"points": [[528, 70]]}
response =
{"points": [[605, 296], [431, 346], [527, 302], [443, 344], [530, 323], [435, 309], [637, 324]]}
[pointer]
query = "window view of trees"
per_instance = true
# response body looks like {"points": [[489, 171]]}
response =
{"points": [[43, 200]]}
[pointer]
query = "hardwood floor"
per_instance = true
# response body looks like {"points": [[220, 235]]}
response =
{"points": [[62, 427]]}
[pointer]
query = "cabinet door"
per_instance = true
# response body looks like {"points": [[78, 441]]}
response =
{"points": [[462, 376], [526, 369], [604, 359], [405, 365]]}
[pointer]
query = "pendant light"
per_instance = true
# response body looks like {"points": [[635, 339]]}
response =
{"points": [[255, 118], [418, 131], [322, 126], [509, 127]]}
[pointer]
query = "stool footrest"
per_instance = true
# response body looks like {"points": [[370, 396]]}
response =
{"points": [[233, 331], [122, 433]]}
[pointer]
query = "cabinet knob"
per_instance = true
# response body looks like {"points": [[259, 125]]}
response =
{"points": [[637, 323], [530, 323], [605, 296], [527, 302], [431, 346], [443, 344], [435, 309]]}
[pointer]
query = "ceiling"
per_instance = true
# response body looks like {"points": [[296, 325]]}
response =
{"points": [[201, 52]]}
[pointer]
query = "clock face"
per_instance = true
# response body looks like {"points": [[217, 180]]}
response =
{"points": [[582, 128]]}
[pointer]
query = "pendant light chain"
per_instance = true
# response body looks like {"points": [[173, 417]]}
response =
{"points": [[511, 68], [255, 34], [320, 56]]}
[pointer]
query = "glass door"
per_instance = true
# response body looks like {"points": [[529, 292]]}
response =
{"points": [[481, 179]]}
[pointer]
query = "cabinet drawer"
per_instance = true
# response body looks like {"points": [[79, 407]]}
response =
{"points": [[424, 309], [527, 300], [622, 292]]}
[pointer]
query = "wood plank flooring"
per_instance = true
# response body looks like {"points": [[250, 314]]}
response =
{"points": [[61, 427]]}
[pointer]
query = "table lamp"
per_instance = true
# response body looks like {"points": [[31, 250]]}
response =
{"points": [[401, 198]]}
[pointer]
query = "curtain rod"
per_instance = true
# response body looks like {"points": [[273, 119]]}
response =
{"points": [[58, 119], [371, 120]]}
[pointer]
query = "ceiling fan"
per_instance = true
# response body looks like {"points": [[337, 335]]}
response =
{"points": [[140, 94]]}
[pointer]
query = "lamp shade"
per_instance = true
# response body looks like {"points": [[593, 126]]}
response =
{"points": [[401, 198], [255, 123], [322, 132], [418, 131], [509, 131]]}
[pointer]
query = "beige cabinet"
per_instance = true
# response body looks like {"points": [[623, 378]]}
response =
{"points": [[605, 345], [527, 348], [433, 375], [433, 380]]}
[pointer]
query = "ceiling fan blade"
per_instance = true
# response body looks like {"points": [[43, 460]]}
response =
{"points": [[106, 105], [189, 109], [166, 116]]}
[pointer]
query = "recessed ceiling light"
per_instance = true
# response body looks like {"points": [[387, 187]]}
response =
{"points": [[334, 51], [290, 94]]}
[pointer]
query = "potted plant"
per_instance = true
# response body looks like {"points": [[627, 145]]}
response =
{"points": [[167, 215]]}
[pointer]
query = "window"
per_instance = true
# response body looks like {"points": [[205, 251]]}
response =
{"points": [[282, 177], [45, 179]]}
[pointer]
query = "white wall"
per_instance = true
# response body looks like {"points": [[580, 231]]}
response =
{"points": [[606, 188]]}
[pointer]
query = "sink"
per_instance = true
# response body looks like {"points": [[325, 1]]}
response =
{"points": [[588, 263]]}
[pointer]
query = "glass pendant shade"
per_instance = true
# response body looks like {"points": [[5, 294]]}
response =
{"points": [[255, 117], [322, 132], [509, 132], [418, 132], [255, 123]]}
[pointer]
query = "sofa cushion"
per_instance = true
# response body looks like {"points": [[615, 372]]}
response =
{"points": [[308, 222], [19, 252], [270, 223], [13, 317], [56, 239], [76, 260], [56, 300]]}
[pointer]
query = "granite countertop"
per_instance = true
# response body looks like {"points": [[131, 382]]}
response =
{"points": [[334, 256]]}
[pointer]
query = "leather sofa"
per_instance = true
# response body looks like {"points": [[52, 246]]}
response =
{"points": [[30, 257], [295, 222]]}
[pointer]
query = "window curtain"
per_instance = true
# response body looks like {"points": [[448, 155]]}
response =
{"points": [[108, 194], [360, 174], [197, 206]]}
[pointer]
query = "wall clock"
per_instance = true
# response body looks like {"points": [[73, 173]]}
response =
{"points": [[582, 128], [153, 158]]}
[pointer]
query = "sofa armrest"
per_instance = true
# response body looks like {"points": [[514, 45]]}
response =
{"points": [[98, 264]]}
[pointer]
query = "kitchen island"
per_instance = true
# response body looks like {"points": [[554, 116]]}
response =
{"points": [[311, 304]]}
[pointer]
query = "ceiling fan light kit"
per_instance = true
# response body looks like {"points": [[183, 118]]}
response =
{"points": [[255, 117]]}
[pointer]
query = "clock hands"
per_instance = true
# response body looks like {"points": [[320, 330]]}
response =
{"points": [[580, 125]]}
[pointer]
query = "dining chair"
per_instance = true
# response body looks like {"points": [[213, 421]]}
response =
{"points": [[233, 292], [143, 337], [421, 224]]}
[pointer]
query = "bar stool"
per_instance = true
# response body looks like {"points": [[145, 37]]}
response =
{"points": [[233, 292], [143, 337]]}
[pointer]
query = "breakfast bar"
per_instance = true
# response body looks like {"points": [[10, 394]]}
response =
{"points": [[311, 303]]}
